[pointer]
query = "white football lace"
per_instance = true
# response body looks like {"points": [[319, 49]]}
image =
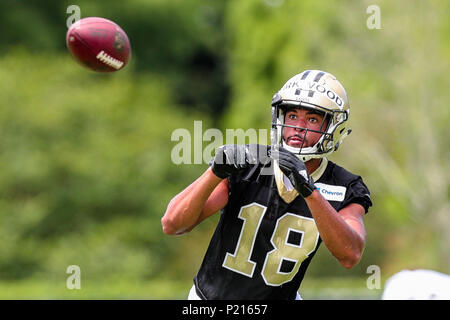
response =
{"points": [[108, 60]]}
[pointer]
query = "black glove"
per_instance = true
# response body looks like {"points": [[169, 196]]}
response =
{"points": [[232, 158], [295, 170]]}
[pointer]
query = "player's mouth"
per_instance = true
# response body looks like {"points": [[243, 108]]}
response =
{"points": [[295, 141]]}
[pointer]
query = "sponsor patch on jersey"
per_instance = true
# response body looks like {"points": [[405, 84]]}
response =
{"points": [[330, 192]]}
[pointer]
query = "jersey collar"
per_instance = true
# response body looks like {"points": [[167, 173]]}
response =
{"points": [[317, 174]]}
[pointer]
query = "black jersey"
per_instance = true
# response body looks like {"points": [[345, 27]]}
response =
{"points": [[262, 245]]}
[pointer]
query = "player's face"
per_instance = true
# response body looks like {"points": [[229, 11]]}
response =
{"points": [[306, 119]]}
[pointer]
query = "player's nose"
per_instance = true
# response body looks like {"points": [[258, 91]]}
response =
{"points": [[300, 125]]}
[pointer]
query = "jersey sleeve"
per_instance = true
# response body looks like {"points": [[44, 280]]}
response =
{"points": [[357, 192]]}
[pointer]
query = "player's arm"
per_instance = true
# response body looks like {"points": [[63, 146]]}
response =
{"points": [[208, 194], [343, 232], [204, 197]]}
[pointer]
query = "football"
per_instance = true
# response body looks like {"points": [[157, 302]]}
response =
{"points": [[98, 44]]}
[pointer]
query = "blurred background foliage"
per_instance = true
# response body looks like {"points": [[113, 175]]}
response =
{"points": [[86, 169]]}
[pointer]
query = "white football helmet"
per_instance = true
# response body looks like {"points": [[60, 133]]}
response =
{"points": [[318, 90]]}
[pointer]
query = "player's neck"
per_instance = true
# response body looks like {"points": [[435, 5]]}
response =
{"points": [[312, 165]]}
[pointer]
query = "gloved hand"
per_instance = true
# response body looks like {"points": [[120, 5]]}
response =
{"points": [[231, 158], [295, 170]]}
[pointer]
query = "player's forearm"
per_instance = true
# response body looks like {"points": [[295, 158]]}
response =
{"points": [[345, 243], [185, 208]]}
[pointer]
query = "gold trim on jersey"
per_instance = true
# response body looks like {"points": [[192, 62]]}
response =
{"points": [[286, 189], [320, 170]]}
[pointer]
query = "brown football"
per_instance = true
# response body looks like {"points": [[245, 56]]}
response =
{"points": [[98, 44]]}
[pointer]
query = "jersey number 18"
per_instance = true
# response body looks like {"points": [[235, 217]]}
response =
{"points": [[272, 274]]}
